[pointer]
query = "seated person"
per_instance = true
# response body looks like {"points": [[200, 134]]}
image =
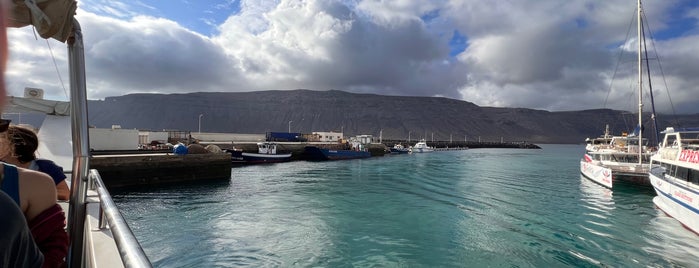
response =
{"points": [[25, 144], [17, 248], [35, 194]]}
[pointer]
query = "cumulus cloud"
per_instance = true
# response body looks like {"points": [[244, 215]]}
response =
{"points": [[542, 54]]}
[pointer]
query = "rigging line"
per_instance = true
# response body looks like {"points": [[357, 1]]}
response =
{"points": [[662, 73], [650, 85], [618, 62], [56, 66]]}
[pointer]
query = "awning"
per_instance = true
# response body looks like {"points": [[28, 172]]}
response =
{"points": [[51, 18], [25, 105]]}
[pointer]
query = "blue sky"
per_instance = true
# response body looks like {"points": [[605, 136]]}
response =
{"points": [[201, 16], [540, 54]]}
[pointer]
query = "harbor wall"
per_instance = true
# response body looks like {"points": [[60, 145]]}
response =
{"points": [[468, 144], [120, 171], [297, 148]]}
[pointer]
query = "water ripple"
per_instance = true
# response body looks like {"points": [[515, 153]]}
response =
{"points": [[485, 207]]}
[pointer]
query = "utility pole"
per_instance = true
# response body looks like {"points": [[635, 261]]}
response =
{"points": [[200, 115]]}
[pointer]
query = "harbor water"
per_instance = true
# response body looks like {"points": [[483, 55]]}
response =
{"points": [[472, 208]]}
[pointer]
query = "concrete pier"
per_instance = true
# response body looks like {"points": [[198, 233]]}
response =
{"points": [[468, 144], [141, 168], [297, 148], [120, 171]]}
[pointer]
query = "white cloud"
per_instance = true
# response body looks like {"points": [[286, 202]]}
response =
{"points": [[541, 54]]}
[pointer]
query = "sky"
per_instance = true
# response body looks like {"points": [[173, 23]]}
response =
{"points": [[541, 54]]}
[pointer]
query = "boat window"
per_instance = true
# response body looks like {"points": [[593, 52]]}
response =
{"points": [[669, 169], [682, 172], [635, 141], [670, 140], [693, 176], [689, 136]]}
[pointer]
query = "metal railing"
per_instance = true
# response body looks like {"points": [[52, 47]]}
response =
{"points": [[130, 250]]}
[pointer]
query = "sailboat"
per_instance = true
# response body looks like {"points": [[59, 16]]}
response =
{"points": [[99, 235], [625, 157]]}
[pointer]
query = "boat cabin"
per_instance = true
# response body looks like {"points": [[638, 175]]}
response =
{"points": [[267, 148]]}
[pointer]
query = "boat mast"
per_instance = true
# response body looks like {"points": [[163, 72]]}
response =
{"points": [[650, 89], [640, 89]]}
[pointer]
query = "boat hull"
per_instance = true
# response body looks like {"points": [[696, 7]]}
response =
{"points": [[422, 150], [315, 153], [676, 200], [239, 157], [253, 158], [400, 151], [596, 173]]}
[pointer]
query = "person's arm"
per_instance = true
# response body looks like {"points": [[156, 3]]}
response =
{"points": [[46, 219], [37, 192], [62, 191], [17, 247]]}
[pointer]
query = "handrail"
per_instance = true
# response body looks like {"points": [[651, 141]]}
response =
{"points": [[81, 145], [131, 252]]}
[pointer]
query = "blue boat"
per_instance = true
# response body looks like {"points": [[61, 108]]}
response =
{"points": [[320, 154], [399, 149]]}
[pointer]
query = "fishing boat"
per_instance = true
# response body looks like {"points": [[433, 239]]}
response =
{"points": [[266, 153], [399, 149], [320, 154], [99, 235], [625, 157], [354, 150], [421, 147], [674, 175]]}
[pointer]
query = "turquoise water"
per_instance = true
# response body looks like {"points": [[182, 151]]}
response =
{"points": [[474, 208]]}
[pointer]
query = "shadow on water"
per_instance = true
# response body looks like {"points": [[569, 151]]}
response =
{"points": [[173, 187]]}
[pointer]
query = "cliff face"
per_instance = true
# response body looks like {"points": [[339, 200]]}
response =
{"points": [[398, 117]]}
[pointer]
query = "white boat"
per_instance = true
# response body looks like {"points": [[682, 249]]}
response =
{"points": [[601, 141], [618, 160], [99, 236], [675, 176], [611, 158], [421, 147]]}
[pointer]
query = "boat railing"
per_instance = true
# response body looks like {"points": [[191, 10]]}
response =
{"points": [[131, 252]]}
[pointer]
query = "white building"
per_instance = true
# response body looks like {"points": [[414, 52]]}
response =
{"points": [[148, 137], [329, 136], [207, 137], [115, 138], [365, 139]]}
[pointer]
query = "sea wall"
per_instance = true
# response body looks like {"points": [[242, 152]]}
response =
{"points": [[119, 171]]}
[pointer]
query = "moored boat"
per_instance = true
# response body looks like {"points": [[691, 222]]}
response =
{"points": [[266, 153], [317, 153], [611, 158], [617, 160], [399, 149], [421, 147], [674, 175]]}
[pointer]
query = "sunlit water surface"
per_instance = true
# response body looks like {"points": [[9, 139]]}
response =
{"points": [[480, 207]]}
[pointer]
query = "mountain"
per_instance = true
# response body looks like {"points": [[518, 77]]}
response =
{"points": [[395, 116]]}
